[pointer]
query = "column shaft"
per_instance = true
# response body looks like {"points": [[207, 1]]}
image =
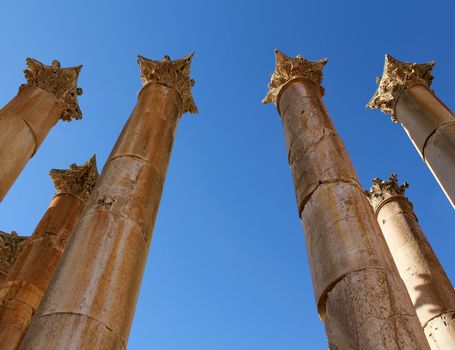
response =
{"points": [[24, 123], [431, 127], [90, 302], [358, 291], [429, 287], [50, 94], [404, 93], [22, 290]]}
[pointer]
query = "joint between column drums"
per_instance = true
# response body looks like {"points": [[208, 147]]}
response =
{"points": [[89, 317], [288, 83], [321, 303], [150, 83], [304, 201], [388, 200], [132, 155], [68, 194], [35, 139], [431, 135]]}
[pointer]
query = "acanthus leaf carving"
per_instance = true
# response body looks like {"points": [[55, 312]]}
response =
{"points": [[382, 190], [78, 179], [174, 74], [396, 78], [288, 69], [61, 82]]}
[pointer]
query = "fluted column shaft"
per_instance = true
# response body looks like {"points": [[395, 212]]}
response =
{"points": [[50, 94], [404, 93], [431, 128], [22, 290], [429, 287], [358, 291], [90, 302]]}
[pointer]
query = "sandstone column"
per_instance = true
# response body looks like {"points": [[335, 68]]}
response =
{"points": [[429, 287], [28, 278], [50, 94], [404, 93], [91, 300], [358, 291]]}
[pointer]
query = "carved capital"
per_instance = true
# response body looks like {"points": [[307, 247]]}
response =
{"points": [[77, 180], [174, 74], [382, 190], [10, 244], [62, 82], [396, 78], [288, 69]]}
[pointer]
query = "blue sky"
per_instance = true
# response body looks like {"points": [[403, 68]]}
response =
{"points": [[227, 267]]}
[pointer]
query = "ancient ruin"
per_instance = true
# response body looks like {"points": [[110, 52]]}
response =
{"points": [[360, 296], [50, 94], [429, 287], [23, 287], [404, 93], [377, 282]]}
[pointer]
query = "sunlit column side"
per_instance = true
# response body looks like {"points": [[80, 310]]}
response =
{"points": [[359, 293], [429, 287], [50, 94], [404, 93], [28, 278], [91, 300]]}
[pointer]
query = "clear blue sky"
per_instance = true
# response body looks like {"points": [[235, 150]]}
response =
{"points": [[227, 267]]}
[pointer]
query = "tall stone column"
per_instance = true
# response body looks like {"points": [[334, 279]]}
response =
{"points": [[91, 300], [50, 94], [429, 287], [404, 93], [359, 294], [28, 278]]}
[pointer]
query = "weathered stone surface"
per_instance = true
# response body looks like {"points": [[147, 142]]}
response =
{"points": [[77, 180], [288, 69], [10, 244], [91, 305], [174, 74], [61, 82], [316, 153], [428, 286], [365, 312], [24, 286], [441, 332], [382, 192], [404, 92], [359, 293], [49, 94], [397, 77], [81, 332]]}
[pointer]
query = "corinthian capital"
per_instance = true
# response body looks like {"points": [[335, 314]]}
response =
{"points": [[382, 190], [174, 74], [287, 69], [62, 82], [77, 180], [397, 77]]}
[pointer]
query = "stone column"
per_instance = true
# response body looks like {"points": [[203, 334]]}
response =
{"points": [[404, 93], [359, 294], [50, 94], [91, 300], [28, 278], [10, 244], [429, 287]]}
